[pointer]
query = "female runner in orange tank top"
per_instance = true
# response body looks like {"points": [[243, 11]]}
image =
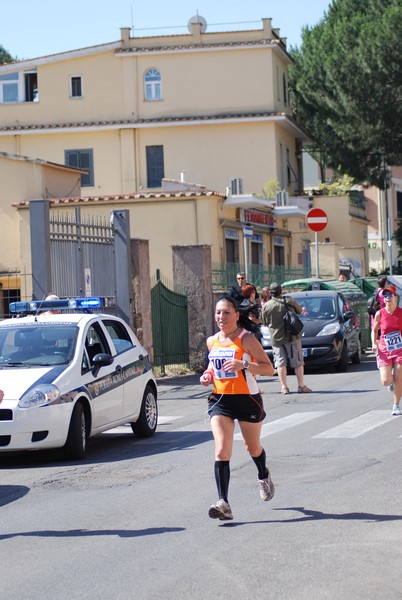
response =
{"points": [[235, 358]]}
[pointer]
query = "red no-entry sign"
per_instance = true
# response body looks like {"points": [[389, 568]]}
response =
{"points": [[316, 219]]}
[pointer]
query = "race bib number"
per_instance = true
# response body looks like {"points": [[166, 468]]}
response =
{"points": [[218, 359], [393, 340]]}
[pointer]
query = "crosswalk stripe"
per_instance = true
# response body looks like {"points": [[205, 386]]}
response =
{"points": [[350, 429], [358, 426], [165, 420], [287, 422], [127, 427]]}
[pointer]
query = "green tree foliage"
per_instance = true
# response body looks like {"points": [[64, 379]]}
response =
{"points": [[338, 186], [347, 86], [5, 57], [271, 187]]}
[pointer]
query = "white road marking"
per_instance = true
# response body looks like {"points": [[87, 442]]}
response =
{"points": [[358, 426], [350, 429], [165, 420], [287, 422], [127, 427]]}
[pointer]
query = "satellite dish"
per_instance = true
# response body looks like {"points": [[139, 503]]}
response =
{"points": [[197, 19]]}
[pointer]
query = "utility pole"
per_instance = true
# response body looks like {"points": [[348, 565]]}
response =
{"points": [[388, 224]]}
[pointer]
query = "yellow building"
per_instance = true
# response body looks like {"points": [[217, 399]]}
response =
{"points": [[188, 216], [206, 107], [22, 179], [211, 108], [343, 243], [214, 106]]}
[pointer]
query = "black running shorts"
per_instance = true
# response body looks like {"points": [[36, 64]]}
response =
{"points": [[243, 407]]}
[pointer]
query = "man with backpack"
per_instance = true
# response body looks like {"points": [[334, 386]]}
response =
{"points": [[286, 351]]}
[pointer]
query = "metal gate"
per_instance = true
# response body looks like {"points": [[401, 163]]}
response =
{"points": [[169, 325], [82, 256]]}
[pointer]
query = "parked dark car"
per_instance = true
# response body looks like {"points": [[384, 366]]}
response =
{"points": [[331, 333]]}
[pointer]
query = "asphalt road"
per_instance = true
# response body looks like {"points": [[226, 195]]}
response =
{"points": [[131, 520]]}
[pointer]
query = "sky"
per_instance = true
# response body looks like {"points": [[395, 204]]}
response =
{"points": [[29, 29]]}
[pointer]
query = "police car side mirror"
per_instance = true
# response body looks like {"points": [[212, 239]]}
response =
{"points": [[100, 360]]}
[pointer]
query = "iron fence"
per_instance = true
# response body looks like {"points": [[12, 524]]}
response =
{"points": [[224, 277], [82, 256], [169, 324]]}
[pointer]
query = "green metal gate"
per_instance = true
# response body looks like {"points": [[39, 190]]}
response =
{"points": [[169, 325]]}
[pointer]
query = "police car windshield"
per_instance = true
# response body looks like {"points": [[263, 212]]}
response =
{"points": [[37, 344]]}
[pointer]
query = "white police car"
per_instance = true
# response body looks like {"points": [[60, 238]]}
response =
{"points": [[68, 376]]}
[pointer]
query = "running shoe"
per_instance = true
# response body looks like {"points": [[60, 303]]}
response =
{"points": [[267, 488], [221, 510], [390, 387], [396, 410]]}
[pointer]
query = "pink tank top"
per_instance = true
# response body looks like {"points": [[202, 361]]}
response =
{"points": [[391, 329]]}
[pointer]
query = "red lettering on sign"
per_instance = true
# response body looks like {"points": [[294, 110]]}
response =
{"points": [[254, 216]]}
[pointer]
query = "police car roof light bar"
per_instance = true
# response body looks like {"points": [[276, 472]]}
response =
{"points": [[35, 306]]}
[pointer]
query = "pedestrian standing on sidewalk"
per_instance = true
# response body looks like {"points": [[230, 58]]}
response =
{"points": [[287, 352], [388, 345], [235, 358]]}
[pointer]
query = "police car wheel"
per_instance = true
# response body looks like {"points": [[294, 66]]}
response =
{"points": [[75, 446], [147, 421]]}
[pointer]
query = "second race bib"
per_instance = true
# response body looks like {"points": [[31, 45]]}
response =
{"points": [[393, 340]]}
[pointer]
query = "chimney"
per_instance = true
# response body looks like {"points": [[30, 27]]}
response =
{"points": [[125, 37]]}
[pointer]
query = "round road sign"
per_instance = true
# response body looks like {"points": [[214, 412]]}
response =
{"points": [[316, 219]]}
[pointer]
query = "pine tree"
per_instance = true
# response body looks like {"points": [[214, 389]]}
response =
{"points": [[5, 57], [347, 84]]}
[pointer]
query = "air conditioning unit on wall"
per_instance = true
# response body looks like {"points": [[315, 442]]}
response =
{"points": [[282, 198], [236, 186]]}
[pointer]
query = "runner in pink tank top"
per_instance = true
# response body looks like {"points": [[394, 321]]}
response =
{"points": [[388, 347]]}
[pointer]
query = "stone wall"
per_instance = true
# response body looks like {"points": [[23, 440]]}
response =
{"points": [[192, 269], [141, 293]]}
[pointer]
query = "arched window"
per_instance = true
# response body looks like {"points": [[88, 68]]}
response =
{"points": [[152, 85]]}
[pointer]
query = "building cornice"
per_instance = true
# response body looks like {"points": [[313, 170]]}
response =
{"points": [[273, 44], [31, 63], [282, 119], [122, 198], [41, 162]]}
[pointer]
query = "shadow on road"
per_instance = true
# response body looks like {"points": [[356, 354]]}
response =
{"points": [[317, 515], [11, 493], [123, 533], [110, 447]]}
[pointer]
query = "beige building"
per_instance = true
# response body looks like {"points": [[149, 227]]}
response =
{"points": [[181, 214], [213, 106], [385, 212], [144, 116], [343, 243], [23, 179]]}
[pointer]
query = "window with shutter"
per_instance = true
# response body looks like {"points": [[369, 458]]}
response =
{"points": [[83, 159]]}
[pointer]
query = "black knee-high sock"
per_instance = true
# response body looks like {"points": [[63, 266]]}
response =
{"points": [[260, 461], [222, 476]]}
